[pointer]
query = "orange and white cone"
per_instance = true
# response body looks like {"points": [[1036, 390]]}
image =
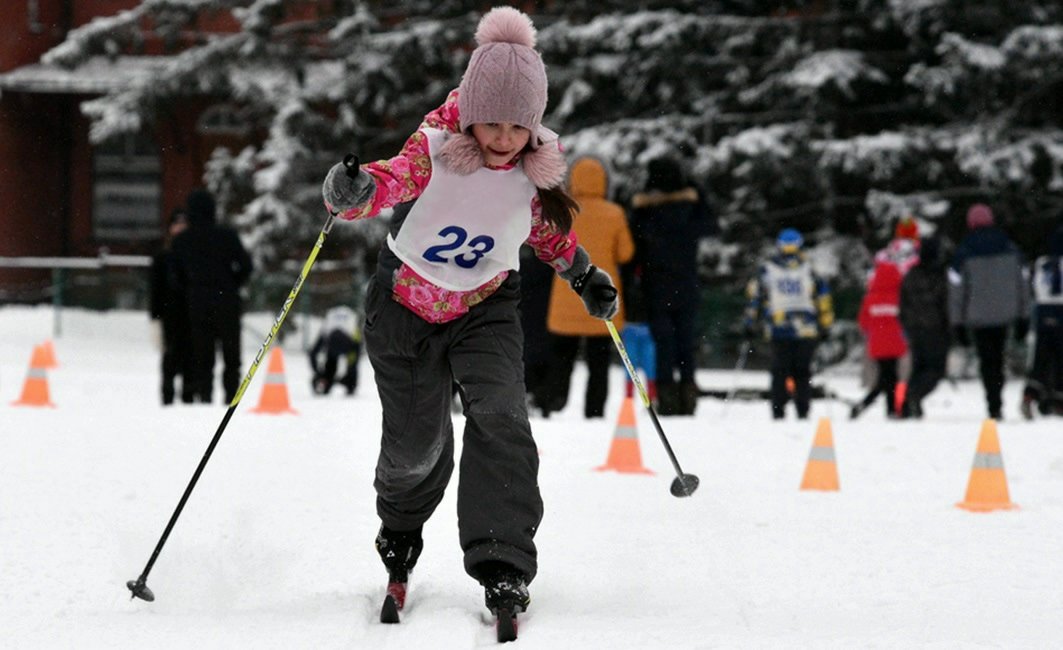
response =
{"points": [[274, 399], [987, 489], [49, 355], [821, 473], [624, 453], [35, 390]]}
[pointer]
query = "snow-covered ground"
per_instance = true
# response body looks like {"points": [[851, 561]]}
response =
{"points": [[274, 549]]}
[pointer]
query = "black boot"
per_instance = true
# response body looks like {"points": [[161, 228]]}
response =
{"points": [[688, 398], [505, 588], [668, 402], [399, 550]]}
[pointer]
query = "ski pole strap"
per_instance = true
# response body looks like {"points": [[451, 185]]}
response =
{"points": [[627, 363], [580, 284], [277, 322]]}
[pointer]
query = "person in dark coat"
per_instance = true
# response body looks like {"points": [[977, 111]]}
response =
{"points": [[925, 319], [667, 221], [1044, 384], [340, 338], [987, 294], [170, 308], [211, 265]]}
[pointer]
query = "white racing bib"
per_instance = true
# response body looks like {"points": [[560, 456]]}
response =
{"points": [[790, 289], [464, 230]]}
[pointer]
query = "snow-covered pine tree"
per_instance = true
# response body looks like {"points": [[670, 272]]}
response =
{"points": [[835, 116]]}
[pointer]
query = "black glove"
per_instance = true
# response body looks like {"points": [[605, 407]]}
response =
{"points": [[599, 295], [593, 285], [959, 334], [750, 332], [1022, 327], [347, 186]]}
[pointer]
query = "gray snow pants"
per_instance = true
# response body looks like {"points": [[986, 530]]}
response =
{"points": [[416, 364]]}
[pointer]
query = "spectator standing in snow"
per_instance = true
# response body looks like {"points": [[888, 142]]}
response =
{"points": [[878, 320], [211, 265], [794, 308], [340, 338], [987, 293], [169, 307], [1044, 384], [667, 220], [925, 319], [480, 177], [602, 229]]}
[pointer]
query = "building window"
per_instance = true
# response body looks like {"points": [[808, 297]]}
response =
{"points": [[127, 189], [224, 119]]}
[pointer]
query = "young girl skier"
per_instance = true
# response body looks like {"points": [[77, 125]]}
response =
{"points": [[480, 177]]}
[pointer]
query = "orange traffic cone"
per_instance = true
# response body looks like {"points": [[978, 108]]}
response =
{"points": [[35, 390], [274, 398], [900, 393], [49, 355], [987, 489], [821, 473], [624, 454]]}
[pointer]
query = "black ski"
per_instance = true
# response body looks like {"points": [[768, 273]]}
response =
{"points": [[506, 626], [394, 601]]}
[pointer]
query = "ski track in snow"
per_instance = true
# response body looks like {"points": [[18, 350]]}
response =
{"points": [[275, 547]]}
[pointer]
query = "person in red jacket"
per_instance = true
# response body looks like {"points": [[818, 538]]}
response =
{"points": [[879, 321]]}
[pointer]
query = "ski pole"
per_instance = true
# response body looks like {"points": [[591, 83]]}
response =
{"points": [[684, 484], [139, 587]]}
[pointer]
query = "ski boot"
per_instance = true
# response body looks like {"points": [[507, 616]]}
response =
{"points": [[399, 550], [506, 595]]}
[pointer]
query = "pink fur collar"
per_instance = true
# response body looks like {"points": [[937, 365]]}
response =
{"points": [[545, 167]]}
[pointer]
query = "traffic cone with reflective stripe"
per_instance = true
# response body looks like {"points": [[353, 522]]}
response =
{"points": [[274, 399], [35, 390], [624, 453], [49, 355], [987, 489], [821, 473]]}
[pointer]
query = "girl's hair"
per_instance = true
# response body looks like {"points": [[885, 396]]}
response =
{"points": [[558, 207]]}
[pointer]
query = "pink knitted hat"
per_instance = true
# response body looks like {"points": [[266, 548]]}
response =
{"points": [[979, 215], [505, 81]]}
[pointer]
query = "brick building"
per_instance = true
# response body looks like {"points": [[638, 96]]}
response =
{"points": [[62, 195]]}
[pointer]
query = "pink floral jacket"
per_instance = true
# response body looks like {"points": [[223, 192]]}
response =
{"points": [[402, 179]]}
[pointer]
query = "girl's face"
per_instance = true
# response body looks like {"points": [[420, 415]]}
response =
{"points": [[500, 141]]}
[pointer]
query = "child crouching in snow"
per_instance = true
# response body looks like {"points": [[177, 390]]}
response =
{"points": [[480, 177]]}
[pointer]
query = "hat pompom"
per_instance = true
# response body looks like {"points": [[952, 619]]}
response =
{"points": [[545, 167], [506, 25]]}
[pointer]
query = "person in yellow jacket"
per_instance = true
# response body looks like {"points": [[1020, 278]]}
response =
{"points": [[602, 229]]}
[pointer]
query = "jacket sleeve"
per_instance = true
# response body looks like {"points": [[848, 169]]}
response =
{"points": [[242, 264], [625, 244], [402, 179], [824, 304], [159, 279], [552, 246], [957, 296]]}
